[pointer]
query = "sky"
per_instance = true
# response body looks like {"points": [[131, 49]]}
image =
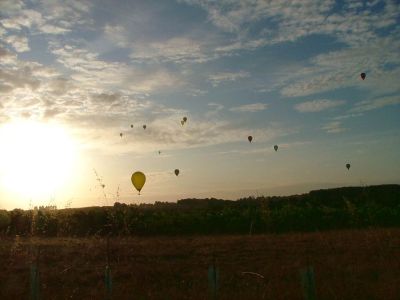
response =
{"points": [[285, 72]]}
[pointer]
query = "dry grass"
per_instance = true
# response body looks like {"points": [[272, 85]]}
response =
{"points": [[356, 264]]}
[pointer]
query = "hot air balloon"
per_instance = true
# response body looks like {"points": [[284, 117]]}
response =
{"points": [[276, 147], [250, 138], [184, 119], [144, 126], [348, 166], [182, 122], [138, 180], [131, 125], [121, 134], [159, 152], [176, 172], [363, 75]]}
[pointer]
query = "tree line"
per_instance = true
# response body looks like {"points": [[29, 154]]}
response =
{"points": [[340, 208]]}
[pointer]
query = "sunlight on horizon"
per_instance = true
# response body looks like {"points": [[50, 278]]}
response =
{"points": [[36, 159]]}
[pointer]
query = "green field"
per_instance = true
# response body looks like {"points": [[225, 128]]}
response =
{"points": [[348, 264]]}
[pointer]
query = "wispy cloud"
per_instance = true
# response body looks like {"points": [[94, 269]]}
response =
{"points": [[254, 107], [264, 150], [118, 34], [215, 106], [367, 105], [197, 92], [20, 74], [317, 105], [333, 127], [89, 69], [178, 49], [165, 132], [347, 116], [323, 74], [215, 109], [52, 29], [232, 16], [19, 43], [56, 17], [291, 21], [22, 18], [360, 28], [217, 78], [11, 5]]}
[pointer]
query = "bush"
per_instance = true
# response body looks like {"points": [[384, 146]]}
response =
{"points": [[5, 220]]}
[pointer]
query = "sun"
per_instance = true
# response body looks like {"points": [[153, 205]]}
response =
{"points": [[36, 158]]}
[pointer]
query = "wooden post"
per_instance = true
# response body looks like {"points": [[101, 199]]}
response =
{"points": [[213, 277], [308, 283], [34, 275]]}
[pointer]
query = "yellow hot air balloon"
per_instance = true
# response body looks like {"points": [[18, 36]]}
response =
{"points": [[138, 180]]}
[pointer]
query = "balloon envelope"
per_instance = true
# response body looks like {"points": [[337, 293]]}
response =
{"points": [[131, 126], [363, 75], [176, 172], [276, 147], [120, 134], [184, 119], [138, 180], [144, 126], [250, 138], [348, 166]]}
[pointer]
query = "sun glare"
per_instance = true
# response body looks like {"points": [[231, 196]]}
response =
{"points": [[36, 158]]}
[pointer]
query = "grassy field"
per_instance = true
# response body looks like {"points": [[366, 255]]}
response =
{"points": [[354, 264]]}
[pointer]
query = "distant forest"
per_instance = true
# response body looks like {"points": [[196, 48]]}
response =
{"points": [[339, 208]]}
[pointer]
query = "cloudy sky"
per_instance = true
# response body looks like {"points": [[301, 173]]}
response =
{"points": [[285, 72]]}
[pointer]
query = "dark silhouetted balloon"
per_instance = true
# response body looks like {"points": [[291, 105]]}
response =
{"points": [[138, 180], [159, 152], [250, 138], [144, 126], [348, 166], [276, 147], [131, 125], [184, 119], [121, 134], [176, 172], [363, 75]]}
